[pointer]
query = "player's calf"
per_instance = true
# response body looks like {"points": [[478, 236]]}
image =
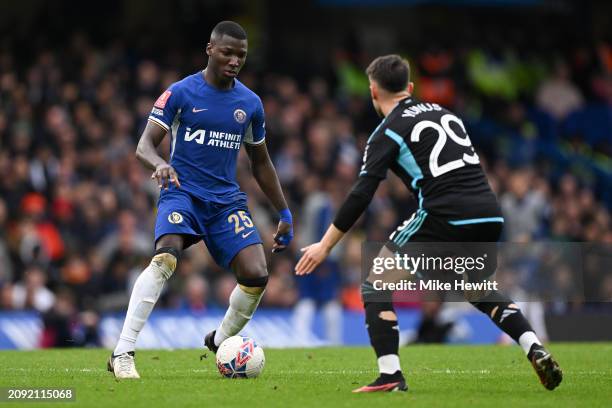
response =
{"points": [[508, 317], [144, 295], [381, 323], [242, 305]]}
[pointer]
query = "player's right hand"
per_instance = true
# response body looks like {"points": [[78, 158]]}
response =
{"points": [[313, 255], [283, 236], [165, 174]]}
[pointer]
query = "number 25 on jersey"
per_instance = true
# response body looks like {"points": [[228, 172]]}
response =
{"points": [[240, 220]]}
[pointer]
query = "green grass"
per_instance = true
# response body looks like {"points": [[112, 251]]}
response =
{"points": [[438, 376]]}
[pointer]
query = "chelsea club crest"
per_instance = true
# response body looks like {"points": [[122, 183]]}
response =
{"points": [[175, 218], [240, 116]]}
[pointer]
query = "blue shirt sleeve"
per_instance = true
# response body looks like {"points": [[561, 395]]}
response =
{"points": [[166, 107], [256, 131]]}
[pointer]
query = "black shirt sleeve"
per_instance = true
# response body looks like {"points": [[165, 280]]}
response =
{"points": [[379, 154]]}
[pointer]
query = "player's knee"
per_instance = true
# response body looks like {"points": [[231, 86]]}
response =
{"points": [[253, 286], [252, 270], [388, 315], [380, 314], [381, 323], [164, 262]]}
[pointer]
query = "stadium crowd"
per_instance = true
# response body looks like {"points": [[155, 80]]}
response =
{"points": [[77, 209]]}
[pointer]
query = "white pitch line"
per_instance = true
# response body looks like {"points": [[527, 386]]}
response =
{"points": [[302, 372]]}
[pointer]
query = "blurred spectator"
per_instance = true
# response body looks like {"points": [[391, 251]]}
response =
{"points": [[65, 327], [43, 236], [558, 96], [31, 293], [432, 327], [280, 291], [320, 289], [523, 207], [195, 296]]}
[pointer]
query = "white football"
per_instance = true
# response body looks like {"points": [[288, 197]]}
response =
{"points": [[240, 357]]}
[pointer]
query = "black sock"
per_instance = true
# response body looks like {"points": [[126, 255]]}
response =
{"points": [[384, 334], [505, 314]]}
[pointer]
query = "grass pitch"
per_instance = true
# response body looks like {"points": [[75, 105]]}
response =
{"points": [[438, 376]]}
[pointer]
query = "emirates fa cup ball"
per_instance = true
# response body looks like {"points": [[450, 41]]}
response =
{"points": [[240, 357]]}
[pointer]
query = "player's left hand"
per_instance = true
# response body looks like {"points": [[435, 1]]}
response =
{"points": [[313, 255], [283, 236]]}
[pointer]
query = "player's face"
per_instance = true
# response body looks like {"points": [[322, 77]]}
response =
{"points": [[227, 56]]}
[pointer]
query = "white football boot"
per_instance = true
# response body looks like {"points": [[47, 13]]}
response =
{"points": [[123, 366]]}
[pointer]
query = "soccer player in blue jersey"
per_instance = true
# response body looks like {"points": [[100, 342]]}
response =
{"points": [[209, 116]]}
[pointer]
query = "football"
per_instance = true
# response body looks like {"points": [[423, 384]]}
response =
{"points": [[240, 357]]}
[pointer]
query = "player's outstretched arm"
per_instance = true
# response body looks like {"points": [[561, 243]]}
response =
{"points": [[265, 175], [146, 152], [314, 254], [379, 154], [354, 205]]}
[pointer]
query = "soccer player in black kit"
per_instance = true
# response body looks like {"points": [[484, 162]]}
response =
{"points": [[428, 148]]}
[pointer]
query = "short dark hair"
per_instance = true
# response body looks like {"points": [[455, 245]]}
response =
{"points": [[391, 72], [229, 28]]}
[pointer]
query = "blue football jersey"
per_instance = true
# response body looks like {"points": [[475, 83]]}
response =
{"points": [[207, 126]]}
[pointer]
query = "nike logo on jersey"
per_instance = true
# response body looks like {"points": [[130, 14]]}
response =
{"points": [[194, 110], [246, 234]]}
